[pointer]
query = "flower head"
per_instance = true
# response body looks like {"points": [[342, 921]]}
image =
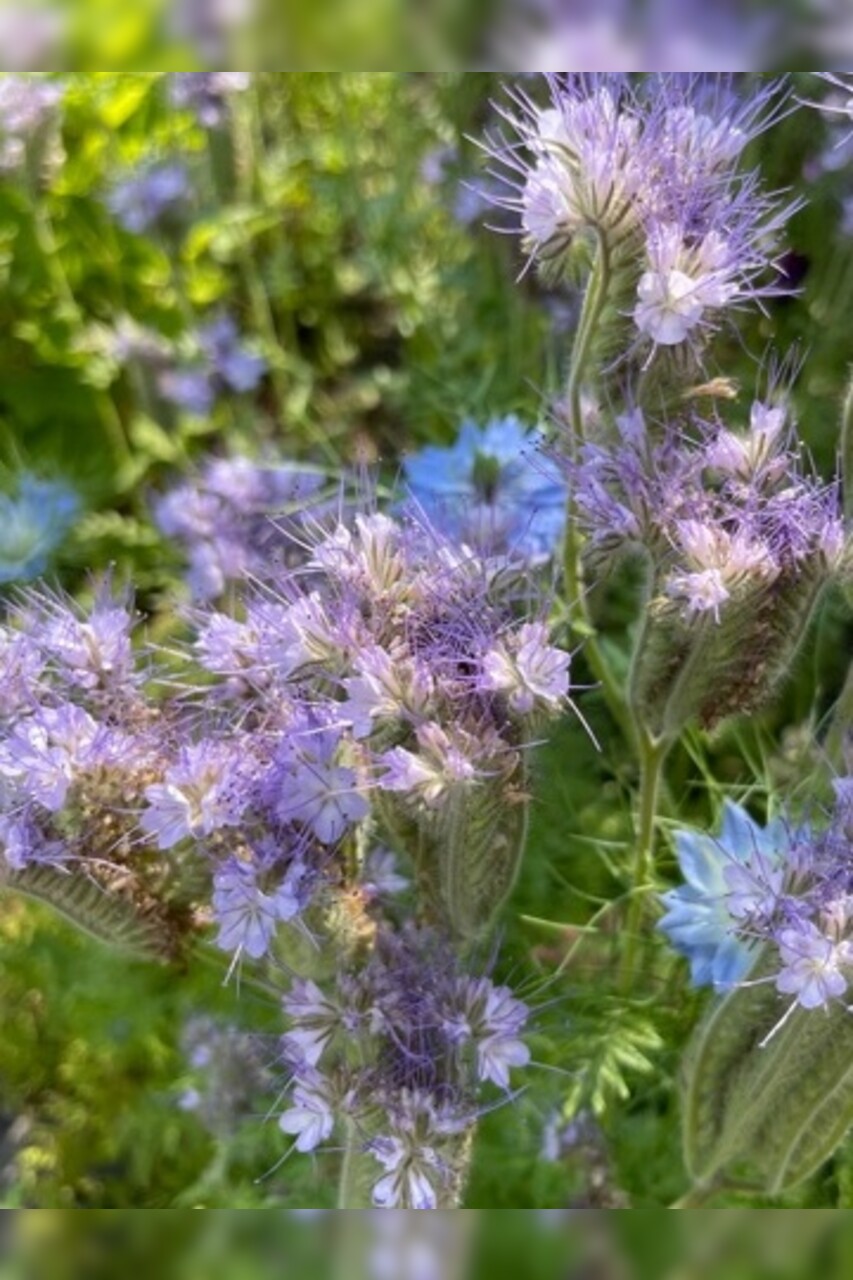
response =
{"points": [[656, 172], [33, 523], [248, 916], [206, 93], [200, 794], [491, 490], [149, 197], [730, 878]]}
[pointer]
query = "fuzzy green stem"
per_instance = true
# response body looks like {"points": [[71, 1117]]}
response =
{"points": [[574, 589], [653, 753], [594, 305], [841, 724], [695, 1198], [847, 451], [351, 1190]]}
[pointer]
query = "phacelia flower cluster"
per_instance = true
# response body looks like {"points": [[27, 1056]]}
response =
{"points": [[739, 538], [206, 93], [151, 198], [492, 490], [654, 173], [222, 362], [400, 1053], [80, 743], [27, 104], [224, 520], [364, 712]]}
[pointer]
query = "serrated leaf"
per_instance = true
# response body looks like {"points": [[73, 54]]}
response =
{"points": [[103, 914]]}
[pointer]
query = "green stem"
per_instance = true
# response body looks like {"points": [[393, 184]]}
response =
{"points": [[841, 724], [653, 753], [847, 451], [574, 589], [352, 1190], [594, 304], [695, 1198]]}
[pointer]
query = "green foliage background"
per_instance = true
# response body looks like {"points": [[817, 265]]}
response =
{"points": [[385, 322]]}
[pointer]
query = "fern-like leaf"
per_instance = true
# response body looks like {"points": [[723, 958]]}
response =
{"points": [[110, 916]]}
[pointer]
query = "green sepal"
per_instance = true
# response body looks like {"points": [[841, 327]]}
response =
{"points": [[768, 1116], [467, 853], [706, 670]]}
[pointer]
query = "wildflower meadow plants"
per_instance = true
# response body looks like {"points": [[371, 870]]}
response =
{"points": [[323, 760]]}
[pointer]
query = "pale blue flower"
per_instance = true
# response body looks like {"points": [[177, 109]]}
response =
{"points": [[33, 523], [492, 489], [705, 917]]}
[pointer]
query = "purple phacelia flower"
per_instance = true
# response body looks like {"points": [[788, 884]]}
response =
{"points": [[386, 690], [440, 765], [492, 1019], [206, 93], [190, 389], [46, 751], [200, 794], [229, 360], [311, 1118], [150, 197], [307, 785], [224, 520], [248, 916], [528, 670], [21, 668], [23, 843], [314, 1020], [411, 1173], [380, 877], [813, 966], [91, 650]]}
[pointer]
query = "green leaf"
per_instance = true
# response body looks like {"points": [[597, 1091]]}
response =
{"points": [[481, 835], [105, 914]]}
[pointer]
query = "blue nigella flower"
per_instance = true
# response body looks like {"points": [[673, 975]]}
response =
{"points": [[704, 916], [33, 522], [492, 489]]}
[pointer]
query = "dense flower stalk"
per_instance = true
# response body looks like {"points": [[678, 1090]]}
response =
{"points": [[381, 691]]}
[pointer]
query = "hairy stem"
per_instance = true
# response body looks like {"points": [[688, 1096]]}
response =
{"points": [[841, 724], [352, 1190], [653, 753], [574, 589], [847, 450]]}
